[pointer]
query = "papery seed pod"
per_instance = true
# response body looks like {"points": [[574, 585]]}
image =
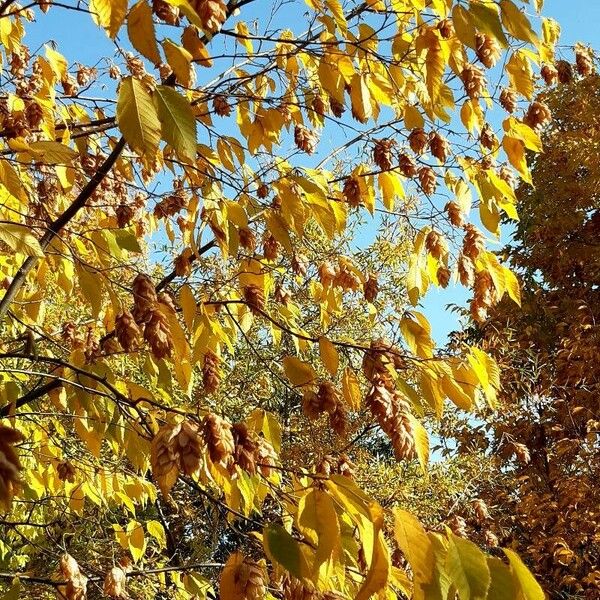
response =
{"points": [[168, 299], [538, 114], [66, 471], [507, 174], [345, 466], [311, 405], [9, 465], [351, 191], [183, 263], [458, 526], [34, 114], [246, 447], [491, 539], [382, 154], [328, 397], [127, 331], [262, 191], [508, 100], [166, 12], [187, 445], [212, 13], [549, 74], [484, 288], [466, 270], [481, 510], [407, 165], [144, 294], [487, 48], [346, 278], [163, 458], [338, 419], [271, 247], [318, 105], [443, 275], [266, 457], [211, 372], [417, 140], [446, 28], [521, 451], [255, 298], [124, 214], [69, 85], [371, 288], [428, 180], [327, 273], [455, 213], [218, 438], [584, 60], [435, 244], [439, 146], [299, 264], [487, 137], [474, 81], [565, 71], [401, 433], [76, 583], [247, 239], [158, 334], [114, 584], [305, 139], [479, 311], [164, 71], [282, 295], [473, 242], [221, 106]]}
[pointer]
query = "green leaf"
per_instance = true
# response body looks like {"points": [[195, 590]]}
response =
{"points": [[282, 548], [486, 18], [523, 579], [137, 117], [20, 239], [467, 567], [178, 123]]}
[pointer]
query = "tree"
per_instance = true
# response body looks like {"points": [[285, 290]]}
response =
{"points": [[545, 438], [196, 341]]}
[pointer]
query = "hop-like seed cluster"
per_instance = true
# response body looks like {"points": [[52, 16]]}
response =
{"points": [[487, 137], [114, 584], [455, 213], [212, 13], [337, 108], [473, 242], [211, 372], [255, 298], [75, 587], [487, 49], [428, 180], [144, 297], [371, 288], [446, 28], [166, 12], [351, 191], [299, 264], [157, 333], [565, 71], [66, 471], [382, 154], [443, 275], [458, 526], [221, 106], [218, 438], [417, 140], [271, 247], [247, 239], [439, 146], [474, 81], [481, 510], [549, 74], [9, 465], [484, 295], [584, 60], [466, 270], [245, 447], [508, 100], [305, 139], [436, 244], [538, 114], [407, 165], [127, 331]]}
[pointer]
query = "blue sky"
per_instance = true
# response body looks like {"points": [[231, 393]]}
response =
{"points": [[579, 19]]}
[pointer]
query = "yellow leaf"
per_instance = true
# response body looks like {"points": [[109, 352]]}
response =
{"points": [[512, 285], [417, 333], [487, 19], [157, 531], [335, 6], [391, 188], [361, 99], [140, 29], [329, 355], [243, 34], [412, 117], [523, 579], [188, 305], [230, 584], [421, 441], [20, 239], [193, 44], [180, 60], [283, 549], [137, 117], [136, 540], [516, 23], [351, 389], [297, 371], [380, 564], [520, 74], [177, 120], [110, 14], [467, 567], [515, 150]]}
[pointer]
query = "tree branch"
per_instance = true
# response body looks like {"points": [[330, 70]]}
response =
{"points": [[56, 226]]}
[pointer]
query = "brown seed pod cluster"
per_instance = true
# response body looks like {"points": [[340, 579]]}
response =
{"points": [[305, 139], [66, 471], [351, 191], [549, 74], [271, 247], [75, 587], [446, 28], [474, 81], [455, 213], [9, 465], [340, 274], [508, 100], [487, 48], [211, 372], [382, 154], [428, 180], [436, 244], [114, 584], [484, 296], [417, 140], [538, 114], [221, 106], [473, 242], [212, 13], [254, 297], [439, 146], [371, 287], [166, 12], [341, 465], [326, 400], [407, 165]]}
